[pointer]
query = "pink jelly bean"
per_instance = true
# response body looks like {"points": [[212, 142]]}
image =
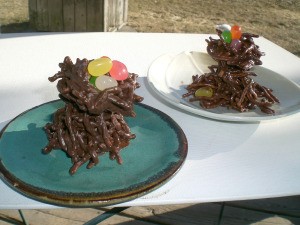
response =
{"points": [[118, 71]]}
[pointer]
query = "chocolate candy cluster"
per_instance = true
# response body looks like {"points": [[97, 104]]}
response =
{"points": [[229, 83], [92, 121]]}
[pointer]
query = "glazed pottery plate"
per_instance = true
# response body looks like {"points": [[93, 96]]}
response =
{"points": [[151, 159], [170, 73]]}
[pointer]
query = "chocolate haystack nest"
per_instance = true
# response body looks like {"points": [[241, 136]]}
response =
{"points": [[92, 121], [230, 83]]}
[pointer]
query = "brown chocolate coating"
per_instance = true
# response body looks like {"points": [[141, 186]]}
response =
{"points": [[231, 80], [92, 122], [244, 58]]}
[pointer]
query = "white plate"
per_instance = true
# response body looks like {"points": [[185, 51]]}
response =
{"points": [[170, 73]]}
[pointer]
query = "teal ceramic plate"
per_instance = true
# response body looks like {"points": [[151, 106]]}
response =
{"points": [[150, 160]]}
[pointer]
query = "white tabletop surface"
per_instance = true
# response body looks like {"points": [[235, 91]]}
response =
{"points": [[226, 161]]}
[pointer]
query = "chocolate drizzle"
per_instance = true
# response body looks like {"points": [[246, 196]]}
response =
{"points": [[231, 80], [92, 122]]}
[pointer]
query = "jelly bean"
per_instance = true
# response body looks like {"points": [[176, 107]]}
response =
{"points": [[100, 66], [93, 80], [226, 35], [236, 45], [236, 32], [104, 82], [204, 92], [118, 70], [223, 27]]}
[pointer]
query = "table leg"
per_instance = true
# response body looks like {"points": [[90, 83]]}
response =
{"points": [[221, 213], [105, 215], [22, 217]]}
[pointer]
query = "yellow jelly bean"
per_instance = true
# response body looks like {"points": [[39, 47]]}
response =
{"points": [[204, 92], [99, 66]]}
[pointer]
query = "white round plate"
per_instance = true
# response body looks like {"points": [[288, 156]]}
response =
{"points": [[170, 73]]}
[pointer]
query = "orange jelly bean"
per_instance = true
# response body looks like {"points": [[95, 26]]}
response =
{"points": [[236, 32]]}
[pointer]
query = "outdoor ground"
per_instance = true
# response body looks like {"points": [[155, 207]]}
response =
{"points": [[276, 20]]}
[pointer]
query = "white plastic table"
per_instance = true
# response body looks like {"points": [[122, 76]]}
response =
{"points": [[226, 161]]}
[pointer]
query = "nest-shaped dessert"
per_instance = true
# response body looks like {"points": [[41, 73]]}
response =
{"points": [[92, 121], [229, 83], [244, 57]]}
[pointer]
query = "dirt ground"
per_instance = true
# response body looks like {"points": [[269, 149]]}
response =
{"points": [[276, 20]]}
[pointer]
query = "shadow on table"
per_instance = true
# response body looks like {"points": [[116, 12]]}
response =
{"points": [[223, 134]]}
